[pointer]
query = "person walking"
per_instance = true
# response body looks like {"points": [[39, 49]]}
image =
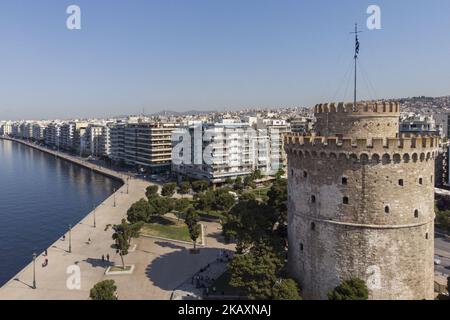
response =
{"points": [[103, 258], [107, 257]]}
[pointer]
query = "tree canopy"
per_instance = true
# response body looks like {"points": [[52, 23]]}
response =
{"points": [[168, 190], [353, 289], [249, 223], [104, 290], [258, 272]]}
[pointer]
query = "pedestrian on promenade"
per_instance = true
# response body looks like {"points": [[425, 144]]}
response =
{"points": [[45, 252], [103, 258], [64, 237], [107, 257]]}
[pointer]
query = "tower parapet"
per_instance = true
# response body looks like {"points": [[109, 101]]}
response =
{"points": [[367, 119]]}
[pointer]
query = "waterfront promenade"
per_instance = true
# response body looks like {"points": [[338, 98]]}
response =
{"points": [[161, 266], [51, 280]]}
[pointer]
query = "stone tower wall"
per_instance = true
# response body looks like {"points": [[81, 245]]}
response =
{"points": [[362, 208]]}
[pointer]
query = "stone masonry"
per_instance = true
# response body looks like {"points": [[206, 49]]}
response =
{"points": [[361, 204]]}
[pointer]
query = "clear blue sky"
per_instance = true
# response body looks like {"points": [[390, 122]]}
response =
{"points": [[212, 54]]}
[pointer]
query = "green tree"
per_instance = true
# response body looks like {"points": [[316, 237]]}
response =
{"points": [[228, 181], [278, 199], [181, 206], [256, 273], [161, 205], [353, 289], [223, 200], [191, 219], [250, 223], [151, 191], [247, 196], [185, 187], [140, 211], [200, 185], [168, 190], [280, 173], [257, 174], [238, 185], [286, 289], [123, 233], [104, 290]]}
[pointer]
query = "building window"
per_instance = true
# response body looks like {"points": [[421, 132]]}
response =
{"points": [[345, 200], [386, 209], [426, 236], [344, 181], [400, 182], [292, 172], [313, 199], [313, 226], [420, 181], [416, 213], [305, 174], [301, 246]]}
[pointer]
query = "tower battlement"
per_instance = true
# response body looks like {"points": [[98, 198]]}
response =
{"points": [[378, 108], [402, 144]]}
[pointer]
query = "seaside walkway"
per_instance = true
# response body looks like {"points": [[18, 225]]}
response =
{"points": [[54, 281]]}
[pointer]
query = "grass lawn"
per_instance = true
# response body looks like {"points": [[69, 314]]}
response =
{"points": [[165, 227], [119, 268]]}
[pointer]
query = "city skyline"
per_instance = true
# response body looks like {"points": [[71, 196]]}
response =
{"points": [[155, 56]]}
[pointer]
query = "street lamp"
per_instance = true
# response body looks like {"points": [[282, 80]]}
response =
{"points": [[95, 224], [70, 238], [34, 270]]}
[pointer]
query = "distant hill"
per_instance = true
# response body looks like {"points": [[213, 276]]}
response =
{"points": [[181, 113]]}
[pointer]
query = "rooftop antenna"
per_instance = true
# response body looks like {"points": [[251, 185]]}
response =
{"points": [[356, 32]]}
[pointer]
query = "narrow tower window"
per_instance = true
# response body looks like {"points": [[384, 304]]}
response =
{"points": [[305, 174], [344, 181], [416, 213], [400, 182], [345, 200], [313, 226], [420, 181], [386, 209], [313, 199]]}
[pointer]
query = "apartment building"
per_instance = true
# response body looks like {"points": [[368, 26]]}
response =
{"points": [[52, 134], [117, 142], [217, 151], [37, 132], [95, 140], [146, 146]]}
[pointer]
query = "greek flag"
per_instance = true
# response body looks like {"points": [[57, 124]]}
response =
{"points": [[356, 47]]}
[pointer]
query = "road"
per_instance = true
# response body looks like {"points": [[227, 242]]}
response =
{"points": [[442, 251]]}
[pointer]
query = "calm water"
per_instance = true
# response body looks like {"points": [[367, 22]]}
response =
{"points": [[39, 197]]}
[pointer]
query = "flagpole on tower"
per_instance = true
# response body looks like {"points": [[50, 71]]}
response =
{"points": [[356, 32]]}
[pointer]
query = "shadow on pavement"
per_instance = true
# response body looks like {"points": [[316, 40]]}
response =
{"points": [[170, 245], [170, 270], [98, 263]]}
